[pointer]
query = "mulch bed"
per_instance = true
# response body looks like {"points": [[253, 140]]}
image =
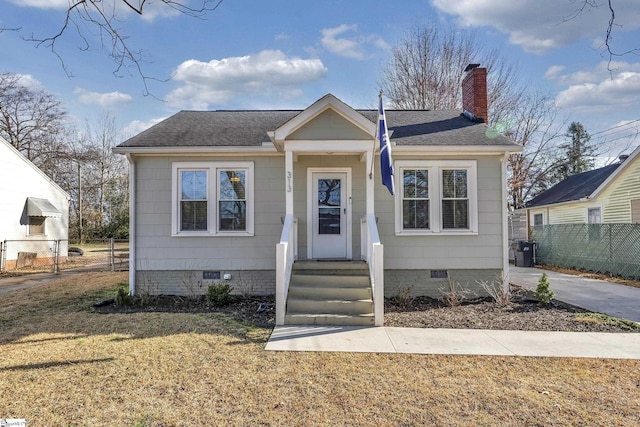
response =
{"points": [[522, 313]]}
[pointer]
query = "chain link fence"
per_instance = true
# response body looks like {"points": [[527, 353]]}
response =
{"points": [[21, 256], [612, 249]]}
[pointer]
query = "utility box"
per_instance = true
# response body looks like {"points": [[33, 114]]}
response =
{"points": [[524, 254]]}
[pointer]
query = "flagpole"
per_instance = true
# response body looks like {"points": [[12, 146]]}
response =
{"points": [[375, 136]]}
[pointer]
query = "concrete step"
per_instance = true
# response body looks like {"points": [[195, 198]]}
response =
{"points": [[326, 267], [329, 319], [329, 281], [333, 293], [310, 306]]}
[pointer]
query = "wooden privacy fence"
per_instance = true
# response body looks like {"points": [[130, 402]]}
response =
{"points": [[602, 248]]}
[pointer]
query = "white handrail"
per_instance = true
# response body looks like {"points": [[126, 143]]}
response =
{"points": [[286, 254], [373, 252]]}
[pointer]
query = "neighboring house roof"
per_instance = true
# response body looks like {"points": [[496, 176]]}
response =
{"points": [[249, 128], [34, 167], [575, 187], [586, 185]]}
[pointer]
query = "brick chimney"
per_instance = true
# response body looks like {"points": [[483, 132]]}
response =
{"points": [[474, 93]]}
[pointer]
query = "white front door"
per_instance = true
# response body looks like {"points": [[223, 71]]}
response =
{"points": [[330, 231]]}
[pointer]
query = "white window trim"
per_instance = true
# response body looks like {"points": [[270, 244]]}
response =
{"points": [[212, 198], [435, 168]]}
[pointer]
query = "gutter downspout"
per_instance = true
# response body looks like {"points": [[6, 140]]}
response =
{"points": [[505, 223], [132, 224]]}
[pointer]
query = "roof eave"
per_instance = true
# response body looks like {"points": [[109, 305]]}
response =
{"points": [[244, 149]]}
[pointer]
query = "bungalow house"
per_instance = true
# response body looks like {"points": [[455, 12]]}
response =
{"points": [[291, 203], [591, 220], [34, 213], [607, 195]]}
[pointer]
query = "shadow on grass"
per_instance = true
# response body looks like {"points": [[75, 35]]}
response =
{"points": [[65, 307], [54, 364]]}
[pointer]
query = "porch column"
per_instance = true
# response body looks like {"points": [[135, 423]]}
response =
{"points": [[370, 208], [288, 167]]}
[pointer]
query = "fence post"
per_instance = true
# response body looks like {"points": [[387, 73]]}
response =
{"points": [[112, 250], [1, 257]]}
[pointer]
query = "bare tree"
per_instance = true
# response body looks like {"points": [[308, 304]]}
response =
{"points": [[584, 6], [427, 69], [534, 125], [100, 21], [103, 177], [33, 121]]}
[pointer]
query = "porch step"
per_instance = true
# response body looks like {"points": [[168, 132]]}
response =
{"points": [[330, 293], [329, 319]]}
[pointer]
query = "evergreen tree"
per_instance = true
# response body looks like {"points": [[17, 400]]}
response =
{"points": [[578, 153]]}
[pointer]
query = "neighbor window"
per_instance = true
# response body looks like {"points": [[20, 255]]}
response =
{"points": [[436, 197], [36, 225], [594, 216], [538, 219], [213, 198]]}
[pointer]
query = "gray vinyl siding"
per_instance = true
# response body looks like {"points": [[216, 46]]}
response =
{"points": [[172, 265], [482, 251], [158, 250]]}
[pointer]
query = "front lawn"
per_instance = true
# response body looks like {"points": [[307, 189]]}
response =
{"points": [[62, 363]]}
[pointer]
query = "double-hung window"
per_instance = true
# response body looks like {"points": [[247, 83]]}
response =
{"points": [[212, 198], [436, 197]]}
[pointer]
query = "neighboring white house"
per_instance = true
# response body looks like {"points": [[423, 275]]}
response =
{"points": [[267, 198], [34, 212]]}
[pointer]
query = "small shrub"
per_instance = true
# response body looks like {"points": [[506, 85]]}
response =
{"points": [[146, 298], [122, 296], [543, 293], [497, 290], [404, 297], [219, 295], [454, 294]]}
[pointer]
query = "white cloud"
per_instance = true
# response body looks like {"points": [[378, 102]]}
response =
{"points": [[539, 26], [350, 47], [150, 11], [137, 126], [42, 4], [620, 91], [29, 81], [267, 73], [102, 99]]}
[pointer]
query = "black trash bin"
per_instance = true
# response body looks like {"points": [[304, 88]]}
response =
{"points": [[524, 254]]}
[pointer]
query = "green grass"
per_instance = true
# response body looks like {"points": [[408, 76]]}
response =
{"points": [[64, 364]]}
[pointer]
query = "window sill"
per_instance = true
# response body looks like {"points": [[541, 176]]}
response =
{"points": [[219, 234], [437, 233]]}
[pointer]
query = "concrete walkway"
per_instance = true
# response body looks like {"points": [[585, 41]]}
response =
{"points": [[595, 295], [455, 341]]}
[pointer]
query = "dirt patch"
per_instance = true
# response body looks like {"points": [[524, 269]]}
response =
{"points": [[522, 313]]}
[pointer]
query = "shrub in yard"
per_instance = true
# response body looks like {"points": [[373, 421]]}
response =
{"points": [[219, 295], [122, 296], [455, 294], [543, 293]]}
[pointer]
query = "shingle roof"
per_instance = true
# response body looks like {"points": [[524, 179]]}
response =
{"points": [[249, 128], [574, 187]]}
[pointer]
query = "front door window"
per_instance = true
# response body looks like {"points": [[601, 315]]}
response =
{"points": [[329, 203]]}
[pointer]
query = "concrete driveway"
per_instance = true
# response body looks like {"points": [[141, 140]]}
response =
{"points": [[595, 295]]}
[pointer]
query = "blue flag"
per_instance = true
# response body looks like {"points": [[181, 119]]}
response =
{"points": [[386, 163]]}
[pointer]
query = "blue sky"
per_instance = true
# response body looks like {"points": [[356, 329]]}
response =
{"points": [[264, 54]]}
